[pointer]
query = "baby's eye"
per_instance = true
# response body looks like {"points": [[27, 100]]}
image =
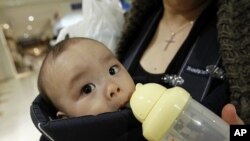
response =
{"points": [[88, 88], [113, 70]]}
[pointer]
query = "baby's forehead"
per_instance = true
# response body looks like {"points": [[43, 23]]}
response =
{"points": [[81, 50], [84, 51], [90, 47]]}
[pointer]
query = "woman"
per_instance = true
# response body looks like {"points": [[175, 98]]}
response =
{"points": [[176, 42]]}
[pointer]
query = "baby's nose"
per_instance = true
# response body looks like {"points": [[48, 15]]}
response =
{"points": [[113, 91]]}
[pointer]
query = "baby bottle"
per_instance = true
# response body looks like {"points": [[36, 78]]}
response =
{"points": [[172, 115]]}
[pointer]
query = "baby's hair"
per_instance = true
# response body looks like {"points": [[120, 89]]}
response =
{"points": [[53, 53]]}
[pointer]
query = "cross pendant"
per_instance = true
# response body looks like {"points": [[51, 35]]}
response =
{"points": [[169, 41]]}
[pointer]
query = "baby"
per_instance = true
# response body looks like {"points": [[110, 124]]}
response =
{"points": [[81, 76]]}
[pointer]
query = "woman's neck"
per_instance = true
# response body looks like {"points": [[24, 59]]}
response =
{"points": [[179, 12]]}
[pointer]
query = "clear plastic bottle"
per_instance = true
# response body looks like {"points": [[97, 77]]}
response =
{"points": [[172, 115]]}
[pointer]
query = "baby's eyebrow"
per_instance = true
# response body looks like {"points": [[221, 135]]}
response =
{"points": [[107, 57], [75, 78]]}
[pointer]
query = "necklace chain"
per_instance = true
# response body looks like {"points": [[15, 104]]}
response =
{"points": [[171, 39]]}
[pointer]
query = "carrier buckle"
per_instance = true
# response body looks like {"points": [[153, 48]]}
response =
{"points": [[173, 80]]}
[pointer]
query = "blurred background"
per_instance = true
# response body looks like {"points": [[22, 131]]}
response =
{"points": [[28, 28]]}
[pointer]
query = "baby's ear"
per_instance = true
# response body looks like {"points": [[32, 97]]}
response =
{"points": [[61, 115]]}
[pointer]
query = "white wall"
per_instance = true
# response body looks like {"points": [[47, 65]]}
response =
{"points": [[7, 67]]}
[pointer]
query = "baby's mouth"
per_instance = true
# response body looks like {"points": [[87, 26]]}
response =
{"points": [[123, 106]]}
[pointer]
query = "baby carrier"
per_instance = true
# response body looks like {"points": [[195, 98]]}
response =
{"points": [[114, 126]]}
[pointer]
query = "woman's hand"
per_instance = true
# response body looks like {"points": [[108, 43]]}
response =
{"points": [[230, 116]]}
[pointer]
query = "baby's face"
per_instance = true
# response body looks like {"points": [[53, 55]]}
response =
{"points": [[89, 80]]}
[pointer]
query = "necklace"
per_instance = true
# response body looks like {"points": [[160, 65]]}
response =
{"points": [[173, 33]]}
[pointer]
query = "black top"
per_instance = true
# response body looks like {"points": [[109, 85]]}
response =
{"points": [[198, 51]]}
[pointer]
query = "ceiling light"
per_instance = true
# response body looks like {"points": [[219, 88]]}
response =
{"points": [[37, 51], [31, 18], [6, 26]]}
